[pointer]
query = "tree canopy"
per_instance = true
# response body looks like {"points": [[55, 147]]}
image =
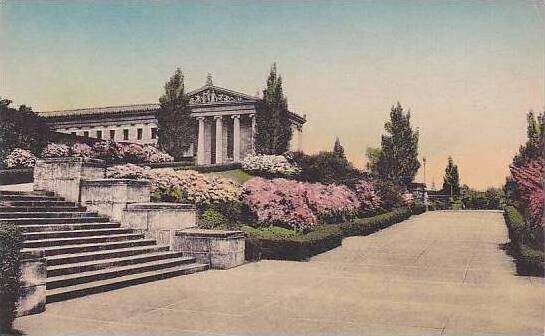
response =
{"points": [[176, 129], [397, 159], [338, 148], [451, 180], [273, 124]]}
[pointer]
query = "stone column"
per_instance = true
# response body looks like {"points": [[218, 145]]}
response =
{"points": [[200, 142], [253, 118], [219, 139], [300, 138], [236, 138]]}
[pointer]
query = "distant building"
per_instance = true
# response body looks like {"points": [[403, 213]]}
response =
{"points": [[226, 124]]}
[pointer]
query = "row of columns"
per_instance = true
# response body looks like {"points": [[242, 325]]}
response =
{"points": [[201, 152]]}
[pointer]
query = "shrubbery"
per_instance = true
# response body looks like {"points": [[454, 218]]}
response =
{"points": [[20, 158], [370, 202], [298, 205], [269, 166], [11, 243], [55, 150]]}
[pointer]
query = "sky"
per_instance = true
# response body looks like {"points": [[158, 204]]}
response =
{"points": [[469, 71]]}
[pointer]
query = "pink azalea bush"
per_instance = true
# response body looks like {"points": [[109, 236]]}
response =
{"points": [[81, 150], [529, 181], [154, 155], [109, 151], [370, 201], [188, 185], [298, 205], [269, 165], [20, 158], [55, 150], [132, 153]]}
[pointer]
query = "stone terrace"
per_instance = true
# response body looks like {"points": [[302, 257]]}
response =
{"points": [[439, 273]]}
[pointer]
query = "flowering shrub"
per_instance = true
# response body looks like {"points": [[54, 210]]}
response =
{"points": [[81, 150], [298, 205], [132, 153], [55, 150], [20, 158], [370, 202], [153, 155], [182, 186], [529, 179], [408, 198], [109, 151], [269, 165]]}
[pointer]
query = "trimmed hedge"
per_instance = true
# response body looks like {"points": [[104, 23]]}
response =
{"points": [[529, 260], [267, 244], [11, 243], [15, 176]]}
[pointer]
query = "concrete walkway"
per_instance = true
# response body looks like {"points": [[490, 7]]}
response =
{"points": [[440, 273]]}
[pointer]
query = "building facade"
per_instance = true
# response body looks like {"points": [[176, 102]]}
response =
{"points": [[226, 122]]}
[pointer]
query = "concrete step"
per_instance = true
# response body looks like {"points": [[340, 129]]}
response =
{"points": [[80, 248], [36, 221], [37, 203], [113, 272], [68, 227], [64, 293], [48, 214], [41, 208], [96, 265], [103, 254], [30, 236], [29, 197], [39, 193], [56, 242]]}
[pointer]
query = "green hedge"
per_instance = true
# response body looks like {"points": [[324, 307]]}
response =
{"points": [[11, 242], [529, 259], [270, 244], [15, 176]]}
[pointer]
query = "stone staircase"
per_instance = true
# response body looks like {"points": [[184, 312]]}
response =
{"points": [[85, 252]]}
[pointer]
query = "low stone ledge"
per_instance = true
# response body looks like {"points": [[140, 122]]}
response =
{"points": [[110, 197], [221, 249], [159, 221], [63, 175], [33, 279]]}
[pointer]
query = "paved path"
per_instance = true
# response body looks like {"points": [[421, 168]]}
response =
{"points": [[439, 273]]}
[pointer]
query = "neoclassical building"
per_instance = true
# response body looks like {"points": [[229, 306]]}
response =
{"points": [[226, 124]]}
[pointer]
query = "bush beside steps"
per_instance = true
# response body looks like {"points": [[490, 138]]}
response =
{"points": [[11, 243], [282, 244]]}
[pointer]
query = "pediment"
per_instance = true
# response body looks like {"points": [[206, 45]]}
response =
{"points": [[216, 95]]}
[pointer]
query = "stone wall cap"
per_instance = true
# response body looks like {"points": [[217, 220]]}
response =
{"points": [[160, 206], [85, 161], [107, 182], [210, 233]]}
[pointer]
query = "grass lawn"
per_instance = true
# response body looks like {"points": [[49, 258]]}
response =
{"points": [[235, 174]]}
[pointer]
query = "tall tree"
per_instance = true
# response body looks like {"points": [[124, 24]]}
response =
{"points": [[273, 124], [21, 128], [451, 181], [176, 128], [338, 148], [398, 157], [534, 146], [372, 154]]}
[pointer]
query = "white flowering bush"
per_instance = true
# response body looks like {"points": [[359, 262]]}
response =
{"points": [[154, 155], [55, 150], [269, 165], [81, 150], [185, 186], [20, 158]]}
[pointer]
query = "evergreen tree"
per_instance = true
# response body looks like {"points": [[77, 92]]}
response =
{"points": [[176, 129], [451, 181], [534, 147], [398, 156], [273, 124], [372, 154], [338, 148]]}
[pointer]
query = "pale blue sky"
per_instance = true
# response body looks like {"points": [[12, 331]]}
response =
{"points": [[469, 71]]}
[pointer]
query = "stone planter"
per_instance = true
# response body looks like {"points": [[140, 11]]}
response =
{"points": [[159, 221], [62, 175], [110, 197], [220, 249], [33, 275]]}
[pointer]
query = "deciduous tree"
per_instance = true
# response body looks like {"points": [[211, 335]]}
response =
{"points": [[451, 180]]}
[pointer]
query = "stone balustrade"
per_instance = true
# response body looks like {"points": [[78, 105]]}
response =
{"points": [[218, 248], [159, 221], [63, 175], [33, 274], [110, 197]]}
